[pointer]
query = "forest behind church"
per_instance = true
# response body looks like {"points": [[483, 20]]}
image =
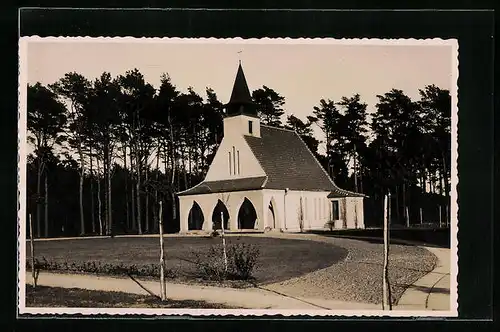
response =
{"points": [[105, 152]]}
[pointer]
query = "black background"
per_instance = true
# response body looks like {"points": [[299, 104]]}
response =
{"points": [[474, 31]]}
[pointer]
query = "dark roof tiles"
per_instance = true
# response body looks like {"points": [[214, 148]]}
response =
{"points": [[288, 162], [210, 187]]}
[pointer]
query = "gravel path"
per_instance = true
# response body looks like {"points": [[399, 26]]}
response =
{"points": [[359, 277]]}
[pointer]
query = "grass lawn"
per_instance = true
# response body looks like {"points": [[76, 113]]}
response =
{"points": [[279, 259], [42, 296]]}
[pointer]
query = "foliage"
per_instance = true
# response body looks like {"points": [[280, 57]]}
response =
{"points": [[269, 105], [121, 269], [242, 260]]}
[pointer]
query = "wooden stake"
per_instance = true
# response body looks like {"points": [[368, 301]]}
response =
{"points": [[32, 250], [386, 301], [163, 285], [223, 241]]}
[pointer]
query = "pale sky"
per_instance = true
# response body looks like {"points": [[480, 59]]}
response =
{"points": [[302, 73]]}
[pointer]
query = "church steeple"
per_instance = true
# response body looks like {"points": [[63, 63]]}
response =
{"points": [[240, 102]]}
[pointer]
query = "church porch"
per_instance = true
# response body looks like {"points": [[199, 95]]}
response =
{"points": [[241, 211]]}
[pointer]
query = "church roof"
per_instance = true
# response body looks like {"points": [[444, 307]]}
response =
{"points": [[209, 187], [241, 93], [287, 162], [241, 100]]}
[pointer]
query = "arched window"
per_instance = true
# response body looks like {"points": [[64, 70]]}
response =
{"points": [[195, 218], [247, 215], [220, 211]]}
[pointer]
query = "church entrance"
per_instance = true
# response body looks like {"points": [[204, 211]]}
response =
{"points": [[195, 218], [247, 215], [220, 211]]}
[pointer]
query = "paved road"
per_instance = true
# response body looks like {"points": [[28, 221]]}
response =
{"points": [[251, 298], [432, 291]]}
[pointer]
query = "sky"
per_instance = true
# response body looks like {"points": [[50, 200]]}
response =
{"points": [[303, 73]]}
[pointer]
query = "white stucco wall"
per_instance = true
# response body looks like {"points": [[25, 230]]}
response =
{"points": [[316, 209], [232, 201], [233, 141], [238, 126], [351, 213]]}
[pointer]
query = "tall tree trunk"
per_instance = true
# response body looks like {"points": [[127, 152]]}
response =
{"points": [[82, 175], [132, 190], [146, 214], [155, 213], [46, 203], [38, 199], [404, 200], [172, 179], [110, 205], [82, 219], [105, 180], [137, 190], [397, 204], [127, 212], [355, 170], [445, 176], [99, 203], [92, 204]]}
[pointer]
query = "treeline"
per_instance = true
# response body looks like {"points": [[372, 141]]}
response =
{"points": [[105, 152]]}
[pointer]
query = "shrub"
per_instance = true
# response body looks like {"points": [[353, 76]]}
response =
{"points": [[211, 265], [144, 270], [242, 259]]}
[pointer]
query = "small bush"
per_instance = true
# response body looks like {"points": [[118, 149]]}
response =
{"points": [[211, 265], [241, 258], [214, 233]]}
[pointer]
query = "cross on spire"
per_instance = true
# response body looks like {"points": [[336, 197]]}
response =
{"points": [[239, 56]]}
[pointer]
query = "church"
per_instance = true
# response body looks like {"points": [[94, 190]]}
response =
{"points": [[265, 178]]}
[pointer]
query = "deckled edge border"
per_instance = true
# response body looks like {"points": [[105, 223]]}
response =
{"points": [[23, 312]]}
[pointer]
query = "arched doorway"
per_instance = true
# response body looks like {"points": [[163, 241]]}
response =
{"points": [[219, 211], [247, 215], [195, 218]]}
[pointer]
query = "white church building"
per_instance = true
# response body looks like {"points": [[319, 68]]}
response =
{"points": [[265, 178]]}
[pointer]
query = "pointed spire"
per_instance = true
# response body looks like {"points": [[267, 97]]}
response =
{"points": [[241, 100], [241, 93]]}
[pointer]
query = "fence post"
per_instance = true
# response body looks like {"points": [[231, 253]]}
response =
{"points": [[223, 242], [421, 217], [32, 250]]}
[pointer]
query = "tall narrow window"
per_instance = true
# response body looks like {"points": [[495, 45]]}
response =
{"points": [[238, 153], [320, 207], [335, 210], [305, 209], [234, 161], [230, 168], [250, 127], [315, 209], [325, 204]]}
